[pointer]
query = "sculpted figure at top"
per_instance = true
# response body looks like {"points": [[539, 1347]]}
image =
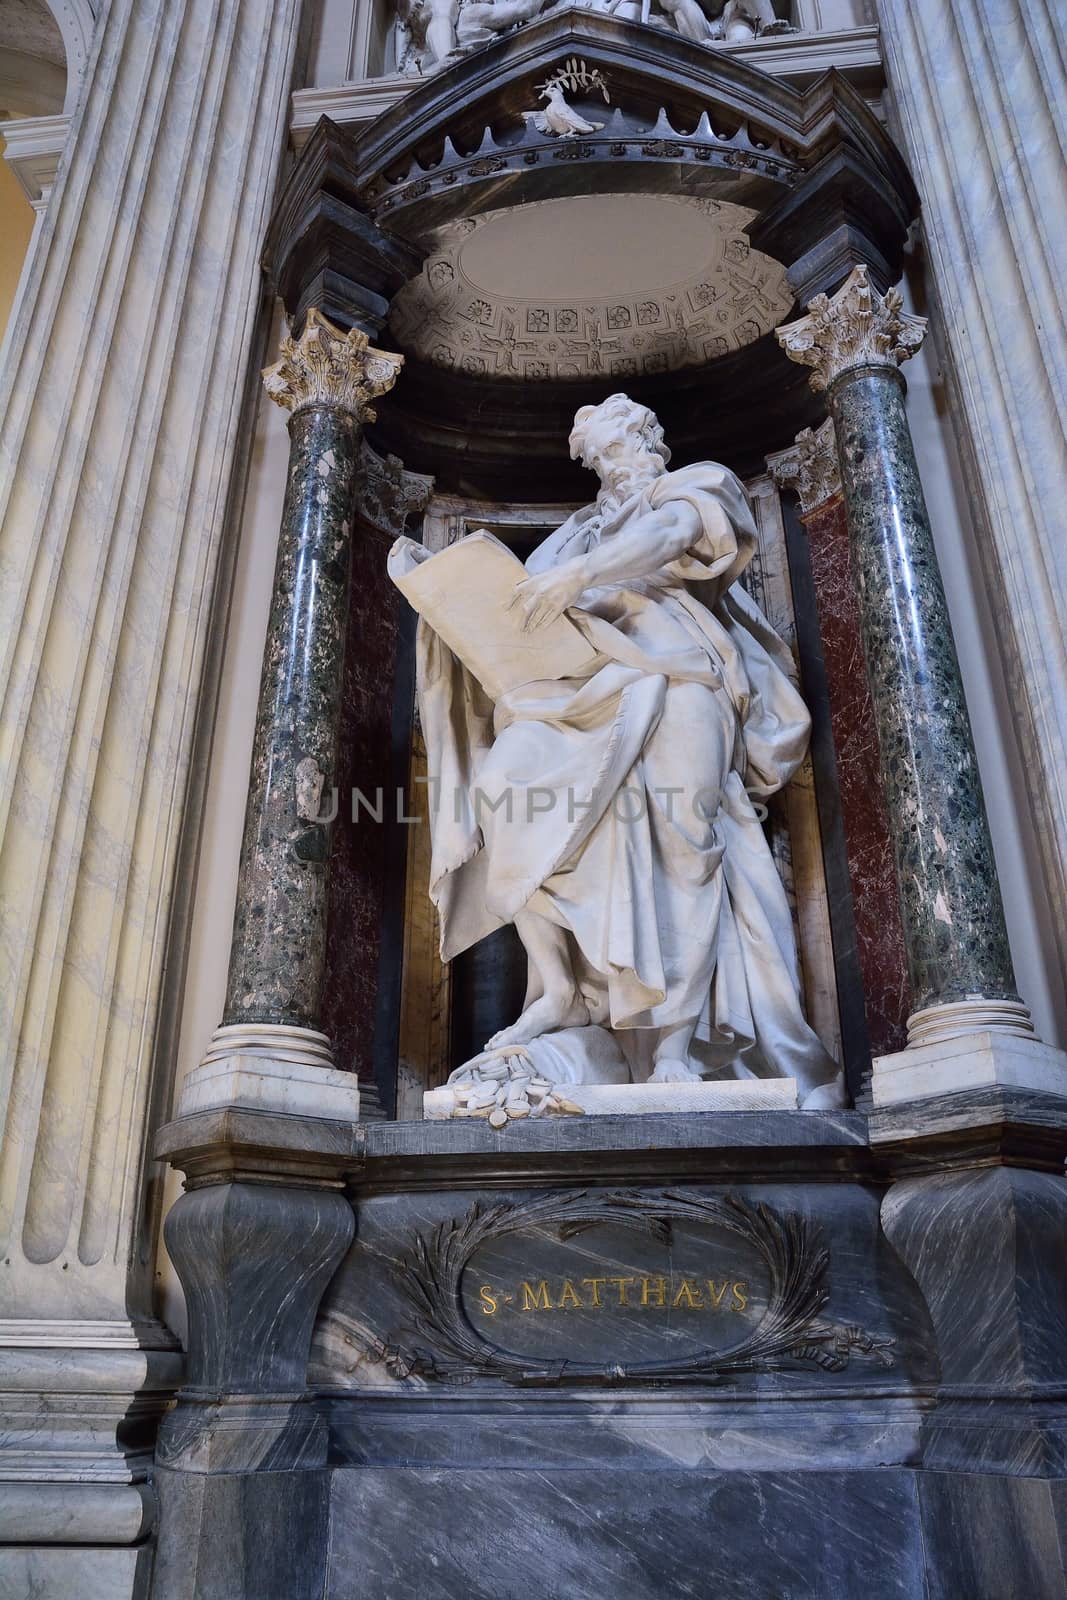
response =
{"points": [[428, 31], [611, 813]]}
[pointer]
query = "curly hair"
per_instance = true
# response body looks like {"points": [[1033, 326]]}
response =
{"points": [[618, 407]]}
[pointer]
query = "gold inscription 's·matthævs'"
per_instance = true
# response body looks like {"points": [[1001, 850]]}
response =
{"points": [[593, 1294]]}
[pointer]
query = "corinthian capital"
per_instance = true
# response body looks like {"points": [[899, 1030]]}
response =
{"points": [[326, 367], [856, 328], [810, 467]]}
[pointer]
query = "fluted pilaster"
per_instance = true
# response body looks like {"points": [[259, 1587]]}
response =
{"points": [[120, 401]]}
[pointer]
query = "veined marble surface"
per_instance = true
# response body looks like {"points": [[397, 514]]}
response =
{"points": [[954, 930], [879, 935], [120, 399], [979, 93]]}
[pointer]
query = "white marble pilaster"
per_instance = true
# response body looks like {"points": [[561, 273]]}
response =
{"points": [[120, 399], [978, 93]]}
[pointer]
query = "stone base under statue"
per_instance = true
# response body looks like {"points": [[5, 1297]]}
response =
{"points": [[650, 1099], [748, 1354]]}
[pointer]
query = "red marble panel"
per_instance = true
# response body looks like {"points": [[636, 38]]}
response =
{"points": [[359, 859], [879, 935]]}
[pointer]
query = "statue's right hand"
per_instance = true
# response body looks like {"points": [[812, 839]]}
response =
{"points": [[541, 599]]}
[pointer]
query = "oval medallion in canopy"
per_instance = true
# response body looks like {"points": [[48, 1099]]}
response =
{"points": [[619, 285]]}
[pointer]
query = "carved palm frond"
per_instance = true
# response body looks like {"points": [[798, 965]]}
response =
{"points": [[789, 1331], [573, 77]]}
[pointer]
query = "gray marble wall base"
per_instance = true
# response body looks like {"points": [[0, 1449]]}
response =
{"points": [[985, 1246], [242, 1536], [993, 1538], [240, 1459], [580, 1535], [254, 1259], [52, 1572]]}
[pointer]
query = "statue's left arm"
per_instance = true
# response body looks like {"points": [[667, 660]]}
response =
{"points": [[648, 543]]}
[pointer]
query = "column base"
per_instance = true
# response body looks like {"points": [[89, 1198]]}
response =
{"points": [[80, 1402], [98, 1514], [269, 1067], [960, 1019], [962, 1062]]}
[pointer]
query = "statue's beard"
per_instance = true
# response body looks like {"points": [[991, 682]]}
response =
{"points": [[621, 484]]}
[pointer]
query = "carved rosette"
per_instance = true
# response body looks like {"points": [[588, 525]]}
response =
{"points": [[810, 467], [857, 327], [327, 367]]}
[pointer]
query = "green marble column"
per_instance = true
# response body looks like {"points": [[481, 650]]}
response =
{"points": [[959, 962], [326, 380]]}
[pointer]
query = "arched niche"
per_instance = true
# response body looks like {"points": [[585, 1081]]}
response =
{"points": [[44, 52]]}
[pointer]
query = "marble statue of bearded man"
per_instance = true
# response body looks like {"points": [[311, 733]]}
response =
{"points": [[612, 816]]}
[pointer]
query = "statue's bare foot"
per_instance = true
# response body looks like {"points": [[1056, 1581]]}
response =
{"points": [[673, 1072], [546, 1015]]}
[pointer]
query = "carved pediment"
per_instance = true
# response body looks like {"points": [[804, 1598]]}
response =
{"points": [[467, 129], [809, 178]]}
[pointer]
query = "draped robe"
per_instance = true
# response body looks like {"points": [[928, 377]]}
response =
{"points": [[619, 805]]}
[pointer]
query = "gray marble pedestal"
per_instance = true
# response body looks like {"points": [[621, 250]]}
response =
{"points": [[904, 1440], [241, 1459], [799, 1354]]}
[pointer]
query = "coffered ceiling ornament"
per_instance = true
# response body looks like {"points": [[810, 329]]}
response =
{"points": [[856, 327], [655, 284], [328, 367]]}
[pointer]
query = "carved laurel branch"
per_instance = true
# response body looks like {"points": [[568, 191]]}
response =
{"points": [[789, 1331], [573, 77], [328, 367], [856, 328]]}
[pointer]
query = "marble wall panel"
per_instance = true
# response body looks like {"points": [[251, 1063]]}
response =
{"points": [[879, 933], [364, 851], [579, 1534]]}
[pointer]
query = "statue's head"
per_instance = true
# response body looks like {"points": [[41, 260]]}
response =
{"points": [[619, 440]]}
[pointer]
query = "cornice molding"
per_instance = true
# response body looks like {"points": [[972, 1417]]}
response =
{"points": [[798, 59]]}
